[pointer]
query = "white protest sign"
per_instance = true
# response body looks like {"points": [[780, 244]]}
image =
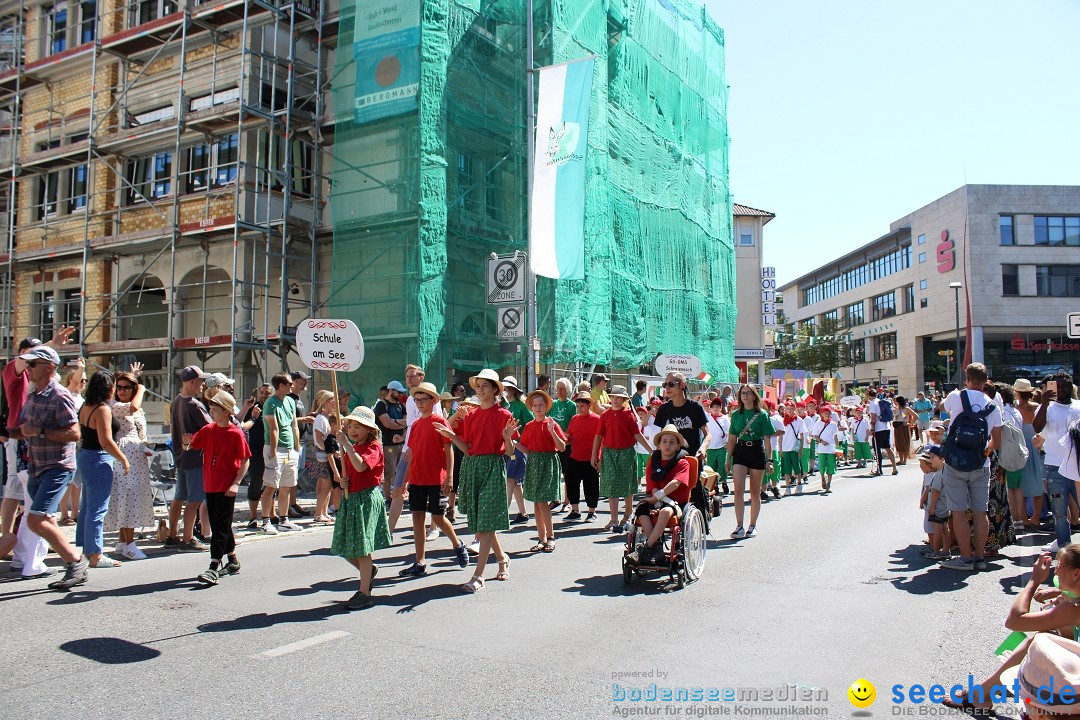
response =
{"points": [[688, 365], [330, 344]]}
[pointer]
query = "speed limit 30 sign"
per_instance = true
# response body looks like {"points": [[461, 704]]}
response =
{"points": [[506, 279]]}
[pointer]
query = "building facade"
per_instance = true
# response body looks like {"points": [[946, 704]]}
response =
{"points": [[996, 265], [753, 336]]}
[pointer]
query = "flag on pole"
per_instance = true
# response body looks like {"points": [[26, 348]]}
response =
{"points": [[704, 377], [557, 203]]}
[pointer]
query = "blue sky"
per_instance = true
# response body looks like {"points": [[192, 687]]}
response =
{"points": [[845, 116]]}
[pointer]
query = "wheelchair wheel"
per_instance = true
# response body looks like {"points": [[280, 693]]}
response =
{"points": [[693, 542], [627, 574]]}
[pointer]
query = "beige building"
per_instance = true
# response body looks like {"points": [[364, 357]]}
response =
{"points": [[753, 339], [1007, 254]]}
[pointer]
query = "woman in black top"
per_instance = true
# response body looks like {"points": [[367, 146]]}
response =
{"points": [[97, 425]]}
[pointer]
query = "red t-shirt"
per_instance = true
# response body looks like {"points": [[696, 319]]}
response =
{"points": [[15, 389], [582, 430], [618, 428], [537, 438], [680, 472], [427, 452], [482, 429], [224, 451], [372, 455]]}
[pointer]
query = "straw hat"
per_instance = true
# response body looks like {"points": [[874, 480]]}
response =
{"points": [[446, 396], [669, 429], [426, 388], [489, 375], [539, 393], [511, 381], [471, 400], [363, 415], [618, 391], [1023, 385], [226, 401], [583, 397], [1051, 665]]}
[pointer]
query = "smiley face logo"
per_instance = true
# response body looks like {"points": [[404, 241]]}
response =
{"points": [[862, 693]]}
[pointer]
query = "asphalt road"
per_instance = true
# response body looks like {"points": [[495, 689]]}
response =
{"points": [[832, 589]]}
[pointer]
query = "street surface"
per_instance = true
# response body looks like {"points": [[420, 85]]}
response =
{"points": [[831, 590]]}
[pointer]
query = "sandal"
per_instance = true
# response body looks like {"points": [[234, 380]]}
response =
{"points": [[504, 570], [473, 585], [106, 562], [549, 546], [209, 577], [538, 547]]}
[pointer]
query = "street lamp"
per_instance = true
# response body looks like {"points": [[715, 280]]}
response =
{"points": [[956, 291]]}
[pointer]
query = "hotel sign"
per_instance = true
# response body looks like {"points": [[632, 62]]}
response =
{"points": [[768, 296]]}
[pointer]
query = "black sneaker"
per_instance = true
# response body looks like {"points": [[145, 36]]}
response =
{"points": [[591, 517], [254, 525], [635, 557], [618, 529], [232, 567], [657, 555], [775, 492], [414, 570], [75, 573], [193, 545], [359, 601], [462, 555], [764, 496], [171, 541], [519, 518], [572, 515], [725, 489]]}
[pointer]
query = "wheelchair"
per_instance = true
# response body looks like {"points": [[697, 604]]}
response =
{"points": [[684, 541]]}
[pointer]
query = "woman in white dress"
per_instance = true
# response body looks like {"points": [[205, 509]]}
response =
{"points": [[132, 503]]}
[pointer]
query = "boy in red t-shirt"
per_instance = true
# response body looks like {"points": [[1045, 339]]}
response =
{"points": [[429, 476], [667, 487], [225, 462]]}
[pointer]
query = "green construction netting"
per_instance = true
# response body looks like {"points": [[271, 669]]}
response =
{"points": [[422, 195]]}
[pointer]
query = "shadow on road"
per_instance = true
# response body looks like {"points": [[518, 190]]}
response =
{"points": [[110, 651], [261, 621], [80, 596], [610, 586]]}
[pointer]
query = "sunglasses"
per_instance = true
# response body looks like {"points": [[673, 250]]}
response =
{"points": [[672, 384], [125, 387]]}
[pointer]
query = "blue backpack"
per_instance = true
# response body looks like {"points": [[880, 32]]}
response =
{"points": [[885, 413], [964, 448]]}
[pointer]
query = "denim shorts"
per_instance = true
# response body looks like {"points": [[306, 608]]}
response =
{"points": [[47, 489], [189, 485]]}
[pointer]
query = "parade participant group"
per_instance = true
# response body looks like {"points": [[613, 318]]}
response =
{"points": [[466, 463]]}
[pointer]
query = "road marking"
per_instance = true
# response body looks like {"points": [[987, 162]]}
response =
{"points": [[303, 644]]}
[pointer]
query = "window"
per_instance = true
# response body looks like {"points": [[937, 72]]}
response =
{"points": [[1005, 227], [1057, 230], [198, 168], [809, 325], [922, 240], [856, 352], [746, 239], [922, 302], [44, 314], [922, 284], [56, 21], [883, 266], [150, 176], [922, 257], [226, 151], [300, 165], [884, 306], [148, 10], [48, 187], [1057, 280], [1010, 280], [219, 98], [909, 298], [71, 311], [76, 182], [87, 21], [885, 346], [853, 315], [832, 318]]}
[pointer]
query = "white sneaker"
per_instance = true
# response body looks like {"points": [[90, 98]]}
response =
{"points": [[1052, 548], [433, 534], [133, 552], [120, 548], [474, 547], [268, 528], [289, 525]]}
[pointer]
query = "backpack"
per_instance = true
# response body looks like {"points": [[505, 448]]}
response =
{"points": [[885, 413], [964, 448], [1013, 454]]}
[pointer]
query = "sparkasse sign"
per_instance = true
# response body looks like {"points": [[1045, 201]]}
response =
{"points": [[326, 344]]}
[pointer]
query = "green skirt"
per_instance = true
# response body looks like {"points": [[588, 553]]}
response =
{"points": [[482, 493], [543, 477], [361, 526], [618, 472]]}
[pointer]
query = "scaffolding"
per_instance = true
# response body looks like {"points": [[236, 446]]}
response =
{"points": [[162, 178]]}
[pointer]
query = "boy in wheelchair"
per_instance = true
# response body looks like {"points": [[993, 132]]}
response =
{"points": [[667, 489]]}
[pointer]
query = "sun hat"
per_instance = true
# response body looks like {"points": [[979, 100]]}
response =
{"points": [[445, 396], [426, 388], [539, 393], [471, 400], [669, 429], [583, 397], [937, 425], [41, 352], [217, 379], [1051, 665], [363, 415], [489, 375], [1023, 385], [618, 391], [511, 381], [226, 401]]}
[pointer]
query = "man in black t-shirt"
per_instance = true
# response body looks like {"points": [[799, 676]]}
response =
{"points": [[689, 417]]}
